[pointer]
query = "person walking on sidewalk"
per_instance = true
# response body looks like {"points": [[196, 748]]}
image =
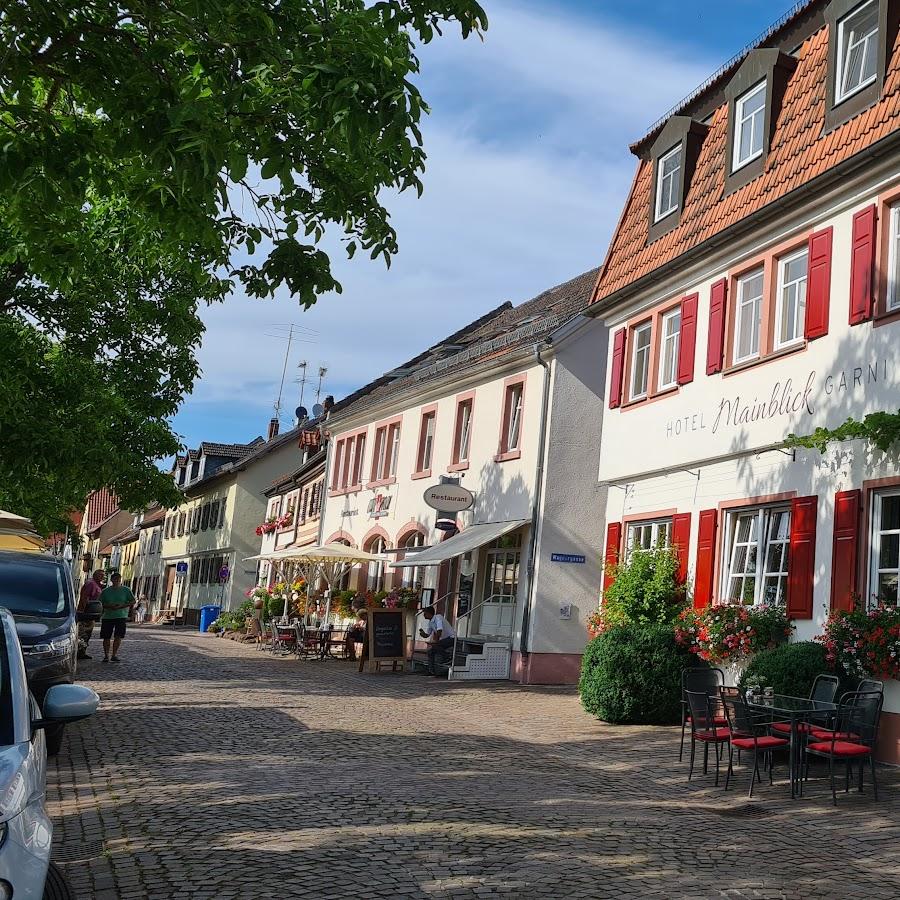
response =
{"points": [[117, 601], [440, 635], [89, 610]]}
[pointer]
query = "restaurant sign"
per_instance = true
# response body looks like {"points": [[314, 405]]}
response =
{"points": [[379, 506], [449, 498]]}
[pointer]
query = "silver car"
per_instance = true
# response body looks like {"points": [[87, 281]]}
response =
{"points": [[25, 828]]}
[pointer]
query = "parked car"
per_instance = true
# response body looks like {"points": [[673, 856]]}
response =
{"points": [[37, 589], [25, 828]]}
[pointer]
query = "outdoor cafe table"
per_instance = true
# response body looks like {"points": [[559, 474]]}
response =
{"points": [[795, 710]]}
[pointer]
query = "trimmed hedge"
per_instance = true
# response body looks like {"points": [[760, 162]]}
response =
{"points": [[789, 669], [631, 675]]}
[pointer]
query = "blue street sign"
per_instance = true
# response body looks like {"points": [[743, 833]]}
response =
{"points": [[566, 557], [181, 567]]}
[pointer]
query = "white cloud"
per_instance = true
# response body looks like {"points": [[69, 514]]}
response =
{"points": [[527, 171]]}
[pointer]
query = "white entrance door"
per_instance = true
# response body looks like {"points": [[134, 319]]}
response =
{"points": [[501, 584]]}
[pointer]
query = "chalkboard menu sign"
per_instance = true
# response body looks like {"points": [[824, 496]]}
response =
{"points": [[386, 639], [464, 595]]}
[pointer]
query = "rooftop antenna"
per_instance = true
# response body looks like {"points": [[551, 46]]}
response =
{"points": [[302, 379], [287, 354], [322, 372]]}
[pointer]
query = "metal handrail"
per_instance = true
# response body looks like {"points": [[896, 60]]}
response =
{"points": [[469, 612]]}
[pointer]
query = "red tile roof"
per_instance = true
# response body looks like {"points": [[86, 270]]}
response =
{"points": [[100, 506], [799, 153]]}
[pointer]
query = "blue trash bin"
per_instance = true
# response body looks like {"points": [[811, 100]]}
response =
{"points": [[208, 615]]}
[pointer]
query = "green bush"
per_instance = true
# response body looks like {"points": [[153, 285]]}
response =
{"points": [[645, 589], [789, 669], [631, 674], [274, 607]]}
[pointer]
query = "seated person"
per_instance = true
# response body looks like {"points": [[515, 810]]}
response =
{"points": [[440, 635]]}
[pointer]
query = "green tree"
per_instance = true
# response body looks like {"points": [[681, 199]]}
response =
{"points": [[882, 429], [143, 145]]}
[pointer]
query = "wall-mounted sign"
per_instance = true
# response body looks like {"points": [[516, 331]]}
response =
{"points": [[566, 557], [181, 567], [448, 497], [379, 506]]}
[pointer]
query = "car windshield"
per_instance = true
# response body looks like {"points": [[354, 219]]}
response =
{"points": [[32, 588], [6, 708]]}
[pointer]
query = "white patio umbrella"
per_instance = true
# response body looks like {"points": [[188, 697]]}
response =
{"points": [[327, 561]]}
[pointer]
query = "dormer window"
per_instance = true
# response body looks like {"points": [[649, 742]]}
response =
{"points": [[861, 34], [755, 94], [673, 157], [749, 115], [857, 51], [668, 171]]}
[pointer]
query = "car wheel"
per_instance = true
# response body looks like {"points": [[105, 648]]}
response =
{"points": [[56, 887], [54, 736]]}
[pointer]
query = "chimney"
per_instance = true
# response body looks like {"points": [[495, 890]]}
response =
{"points": [[329, 402], [273, 429]]}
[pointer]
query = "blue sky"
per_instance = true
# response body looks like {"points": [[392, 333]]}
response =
{"points": [[528, 167]]}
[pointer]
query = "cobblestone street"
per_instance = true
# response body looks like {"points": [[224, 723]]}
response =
{"points": [[214, 770]]}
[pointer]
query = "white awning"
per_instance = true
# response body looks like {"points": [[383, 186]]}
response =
{"points": [[472, 538]]}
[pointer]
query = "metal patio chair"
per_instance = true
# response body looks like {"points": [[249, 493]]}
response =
{"points": [[747, 731], [699, 678], [707, 727], [852, 740]]}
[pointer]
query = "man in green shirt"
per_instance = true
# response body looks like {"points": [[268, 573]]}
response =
{"points": [[117, 602]]}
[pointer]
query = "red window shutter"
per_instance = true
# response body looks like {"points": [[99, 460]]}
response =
{"points": [[613, 541], [818, 284], [618, 369], [706, 558], [681, 542], [862, 264], [715, 348], [687, 345], [802, 560], [845, 551]]}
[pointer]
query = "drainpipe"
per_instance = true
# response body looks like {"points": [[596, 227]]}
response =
{"points": [[538, 492]]}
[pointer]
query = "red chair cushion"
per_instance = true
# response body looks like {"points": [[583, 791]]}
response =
{"points": [[785, 727], [840, 748], [822, 734], [764, 742], [717, 736]]}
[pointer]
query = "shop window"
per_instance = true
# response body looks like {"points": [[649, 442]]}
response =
{"points": [[640, 361], [857, 51], [648, 535], [412, 544], [375, 570], [893, 284], [670, 342], [426, 441], [749, 115], [462, 433], [748, 316], [790, 302], [755, 557], [668, 179], [885, 573]]}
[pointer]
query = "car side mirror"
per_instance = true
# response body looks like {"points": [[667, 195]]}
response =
{"points": [[67, 703]]}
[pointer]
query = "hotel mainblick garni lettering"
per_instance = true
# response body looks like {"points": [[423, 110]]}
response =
{"points": [[786, 398]]}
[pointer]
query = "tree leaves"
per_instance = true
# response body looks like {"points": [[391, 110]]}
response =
{"points": [[881, 429]]}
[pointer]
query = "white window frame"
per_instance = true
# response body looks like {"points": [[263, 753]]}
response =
{"points": [[426, 441], [513, 418], [672, 178], [841, 92], [756, 121], [800, 305], [660, 531], [393, 437], [379, 455], [893, 284], [760, 573], [876, 532], [464, 429], [376, 575], [670, 340], [412, 544], [740, 307], [645, 328]]}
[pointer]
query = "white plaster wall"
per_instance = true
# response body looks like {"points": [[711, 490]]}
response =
{"points": [[573, 504], [849, 372], [503, 490]]}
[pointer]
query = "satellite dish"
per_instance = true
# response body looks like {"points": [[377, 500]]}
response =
{"points": [[318, 409], [301, 413]]}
